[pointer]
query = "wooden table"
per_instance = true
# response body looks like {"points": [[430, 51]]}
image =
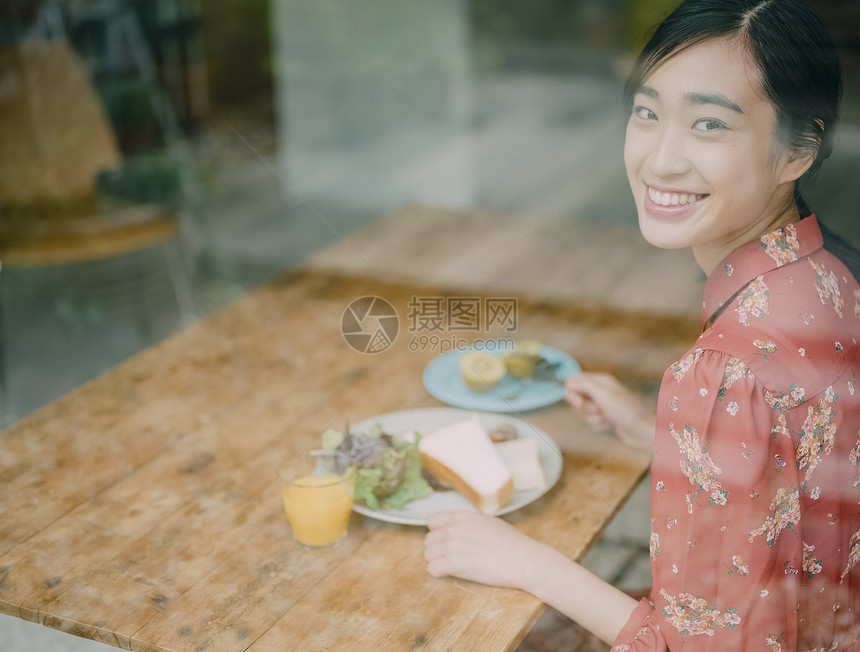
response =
{"points": [[143, 509]]}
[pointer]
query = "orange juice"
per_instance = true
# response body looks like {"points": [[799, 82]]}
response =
{"points": [[318, 507]]}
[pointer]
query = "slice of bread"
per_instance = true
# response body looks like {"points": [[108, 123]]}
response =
{"points": [[463, 455], [521, 458]]}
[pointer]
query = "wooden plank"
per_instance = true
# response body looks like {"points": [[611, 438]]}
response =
{"points": [[558, 261], [191, 494], [351, 608], [258, 416], [356, 606], [95, 436], [428, 624], [206, 598], [176, 537]]}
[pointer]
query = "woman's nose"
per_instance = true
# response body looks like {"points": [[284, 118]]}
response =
{"points": [[669, 158]]}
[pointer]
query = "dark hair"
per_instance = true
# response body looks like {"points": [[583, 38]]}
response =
{"points": [[800, 70]]}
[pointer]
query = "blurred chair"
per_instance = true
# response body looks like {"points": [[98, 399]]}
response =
{"points": [[58, 232]]}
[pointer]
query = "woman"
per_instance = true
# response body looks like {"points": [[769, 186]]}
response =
{"points": [[755, 538]]}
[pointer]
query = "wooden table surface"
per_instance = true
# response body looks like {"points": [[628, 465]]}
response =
{"points": [[144, 510]]}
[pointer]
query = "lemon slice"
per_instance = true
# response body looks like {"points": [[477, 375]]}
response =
{"points": [[481, 370], [521, 362]]}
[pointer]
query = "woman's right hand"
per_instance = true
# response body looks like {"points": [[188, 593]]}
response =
{"points": [[607, 405]]}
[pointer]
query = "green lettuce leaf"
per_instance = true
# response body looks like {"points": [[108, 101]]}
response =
{"points": [[413, 486], [389, 468], [331, 439], [366, 481]]}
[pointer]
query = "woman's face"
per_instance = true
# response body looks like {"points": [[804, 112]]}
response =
{"points": [[701, 154]]}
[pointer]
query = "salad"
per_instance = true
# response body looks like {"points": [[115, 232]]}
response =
{"points": [[388, 468]]}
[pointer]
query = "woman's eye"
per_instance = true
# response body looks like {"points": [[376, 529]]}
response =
{"points": [[644, 113], [708, 124]]}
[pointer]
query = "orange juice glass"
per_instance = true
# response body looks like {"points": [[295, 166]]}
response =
{"points": [[318, 499]]}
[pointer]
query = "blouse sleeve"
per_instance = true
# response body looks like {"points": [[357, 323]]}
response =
{"points": [[724, 501]]}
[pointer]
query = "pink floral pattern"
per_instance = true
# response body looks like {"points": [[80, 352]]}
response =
{"points": [[654, 545], [781, 245], [754, 301], [770, 450], [780, 427], [739, 567], [816, 435], [827, 285], [853, 555], [811, 565], [774, 642], [697, 465], [785, 508], [735, 370], [766, 347], [683, 366], [785, 401], [692, 615], [854, 458]]}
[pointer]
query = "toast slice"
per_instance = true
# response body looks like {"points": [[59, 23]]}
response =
{"points": [[463, 455]]}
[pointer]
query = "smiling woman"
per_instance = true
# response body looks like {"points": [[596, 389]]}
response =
{"points": [[755, 540], [702, 159], [775, 89]]}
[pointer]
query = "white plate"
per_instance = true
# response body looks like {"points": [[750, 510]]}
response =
{"points": [[418, 511]]}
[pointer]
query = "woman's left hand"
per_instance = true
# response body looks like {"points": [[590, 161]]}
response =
{"points": [[482, 549], [488, 550]]}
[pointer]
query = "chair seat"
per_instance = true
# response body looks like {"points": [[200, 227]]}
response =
{"points": [[33, 242]]}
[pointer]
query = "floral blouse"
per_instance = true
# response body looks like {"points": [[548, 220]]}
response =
{"points": [[755, 498]]}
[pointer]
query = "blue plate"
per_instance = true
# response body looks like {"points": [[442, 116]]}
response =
{"points": [[443, 380]]}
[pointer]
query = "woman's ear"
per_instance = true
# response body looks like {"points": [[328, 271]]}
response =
{"points": [[799, 161], [802, 156]]}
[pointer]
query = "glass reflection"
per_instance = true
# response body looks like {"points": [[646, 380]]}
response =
{"points": [[159, 159]]}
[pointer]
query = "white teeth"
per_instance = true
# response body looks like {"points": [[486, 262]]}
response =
{"points": [[672, 199]]}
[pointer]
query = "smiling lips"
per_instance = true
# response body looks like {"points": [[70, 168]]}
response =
{"points": [[672, 198]]}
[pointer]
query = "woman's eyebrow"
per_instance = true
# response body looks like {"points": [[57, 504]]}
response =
{"points": [[647, 91], [693, 97], [712, 98]]}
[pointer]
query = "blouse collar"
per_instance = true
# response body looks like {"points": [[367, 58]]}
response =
{"points": [[756, 257]]}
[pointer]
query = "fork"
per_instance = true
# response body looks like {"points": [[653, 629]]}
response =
{"points": [[526, 380]]}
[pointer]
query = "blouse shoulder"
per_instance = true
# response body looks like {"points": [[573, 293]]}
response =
{"points": [[795, 324]]}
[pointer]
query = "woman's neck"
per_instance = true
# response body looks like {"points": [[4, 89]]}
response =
{"points": [[708, 257]]}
